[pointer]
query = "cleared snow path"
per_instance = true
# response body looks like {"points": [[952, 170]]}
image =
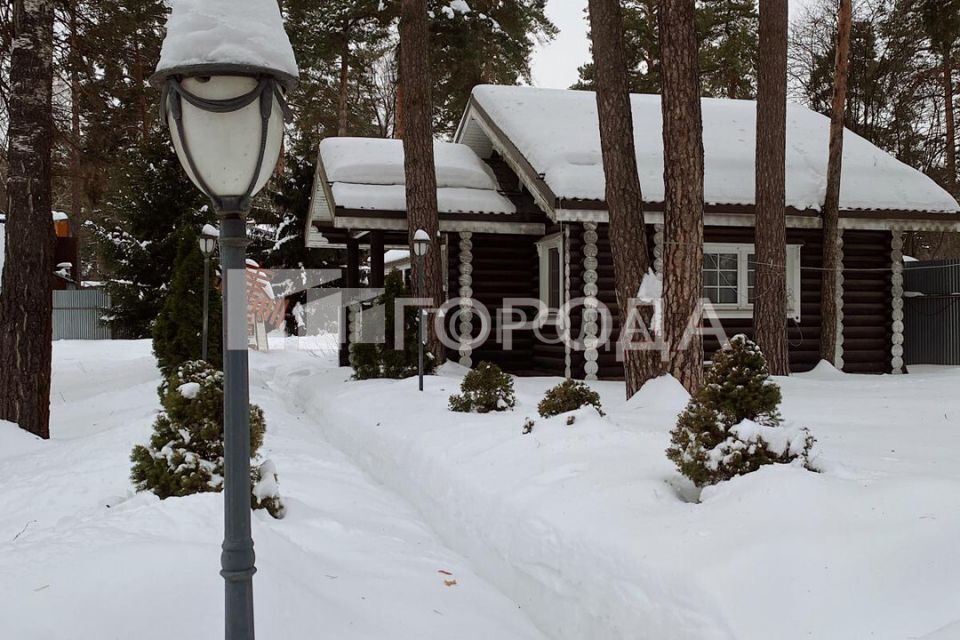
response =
{"points": [[83, 558], [586, 528]]}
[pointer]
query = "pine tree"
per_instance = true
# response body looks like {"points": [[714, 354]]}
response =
{"points": [[770, 307], [628, 241], [26, 302], [490, 43], [185, 453], [727, 44], [147, 212], [832, 263], [732, 425], [683, 180], [177, 332]]}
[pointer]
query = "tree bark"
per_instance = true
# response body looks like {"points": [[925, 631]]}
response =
{"points": [[770, 305], [683, 179], [343, 113], [628, 241], [26, 313], [951, 128], [419, 168], [76, 180], [829, 288]]}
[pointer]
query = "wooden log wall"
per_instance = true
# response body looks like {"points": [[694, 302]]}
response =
{"points": [[867, 295]]}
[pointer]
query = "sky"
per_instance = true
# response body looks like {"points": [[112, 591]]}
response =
{"points": [[555, 65]]}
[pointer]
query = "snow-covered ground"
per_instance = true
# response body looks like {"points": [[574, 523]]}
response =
{"points": [[582, 531]]}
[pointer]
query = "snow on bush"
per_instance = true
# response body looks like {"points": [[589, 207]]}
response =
{"points": [[732, 426], [185, 454], [483, 390], [567, 396]]}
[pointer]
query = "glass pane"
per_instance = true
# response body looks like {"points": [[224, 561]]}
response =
{"points": [[710, 261], [554, 274], [727, 295], [728, 261], [728, 278], [710, 278]]}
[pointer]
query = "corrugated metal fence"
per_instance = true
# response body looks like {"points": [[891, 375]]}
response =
{"points": [[932, 319], [76, 315]]}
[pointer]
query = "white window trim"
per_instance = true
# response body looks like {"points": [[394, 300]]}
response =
{"points": [[743, 308], [544, 246]]}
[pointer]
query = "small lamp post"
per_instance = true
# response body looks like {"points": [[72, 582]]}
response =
{"points": [[208, 244], [421, 246], [223, 99]]}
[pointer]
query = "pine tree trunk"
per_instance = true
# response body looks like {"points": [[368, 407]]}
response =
{"points": [[829, 289], [26, 305], [628, 241], [683, 179], [951, 124], [343, 112], [770, 306], [76, 181], [421, 177]]}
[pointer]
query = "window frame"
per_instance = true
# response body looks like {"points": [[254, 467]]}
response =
{"points": [[743, 308], [545, 245]]}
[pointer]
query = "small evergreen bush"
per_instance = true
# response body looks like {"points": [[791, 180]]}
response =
{"points": [[568, 396], [185, 454], [484, 389], [178, 330], [732, 426], [382, 360]]}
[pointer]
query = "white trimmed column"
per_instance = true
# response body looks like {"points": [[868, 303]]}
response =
{"points": [[658, 249], [567, 354], [838, 358], [466, 296], [896, 287], [591, 315]]}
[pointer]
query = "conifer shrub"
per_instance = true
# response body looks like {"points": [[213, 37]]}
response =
{"points": [[732, 425], [567, 396], [185, 453], [383, 360], [178, 329], [483, 390]]}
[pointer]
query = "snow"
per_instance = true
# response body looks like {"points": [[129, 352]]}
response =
{"points": [[558, 134], [189, 390], [210, 231], [368, 173], [585, 531], [242, 32], [394, 198]]}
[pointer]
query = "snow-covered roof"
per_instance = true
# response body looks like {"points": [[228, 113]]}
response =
{"points": [[557, 132], [238, 32], [368, 173], [394, 256]]}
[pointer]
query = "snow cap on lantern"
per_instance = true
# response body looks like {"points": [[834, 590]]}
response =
{"points": [[246, 33], [224, 69]]}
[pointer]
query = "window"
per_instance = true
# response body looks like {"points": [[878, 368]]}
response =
{"points": [[729, 277], [550, 249]]}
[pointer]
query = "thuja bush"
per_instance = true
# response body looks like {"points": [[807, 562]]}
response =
{"points": [[383, 360], [483, 390], [732, 425], [567, 396], [185, 453]]}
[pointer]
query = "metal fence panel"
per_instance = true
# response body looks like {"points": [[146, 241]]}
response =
{"points": [[932, 320], [76, 315]]}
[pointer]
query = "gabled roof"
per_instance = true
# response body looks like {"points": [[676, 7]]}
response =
{"points": [[554, 135]]}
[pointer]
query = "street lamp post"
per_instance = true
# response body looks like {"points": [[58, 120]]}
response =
{"points": [[421, 245], [208, 244], [226, 117]]}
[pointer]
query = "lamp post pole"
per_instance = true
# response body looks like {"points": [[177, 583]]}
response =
{"points": [[237, 558], [206, 304], [420, 313]]}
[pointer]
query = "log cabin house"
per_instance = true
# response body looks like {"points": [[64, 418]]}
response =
{"points": [[522, 215]]}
